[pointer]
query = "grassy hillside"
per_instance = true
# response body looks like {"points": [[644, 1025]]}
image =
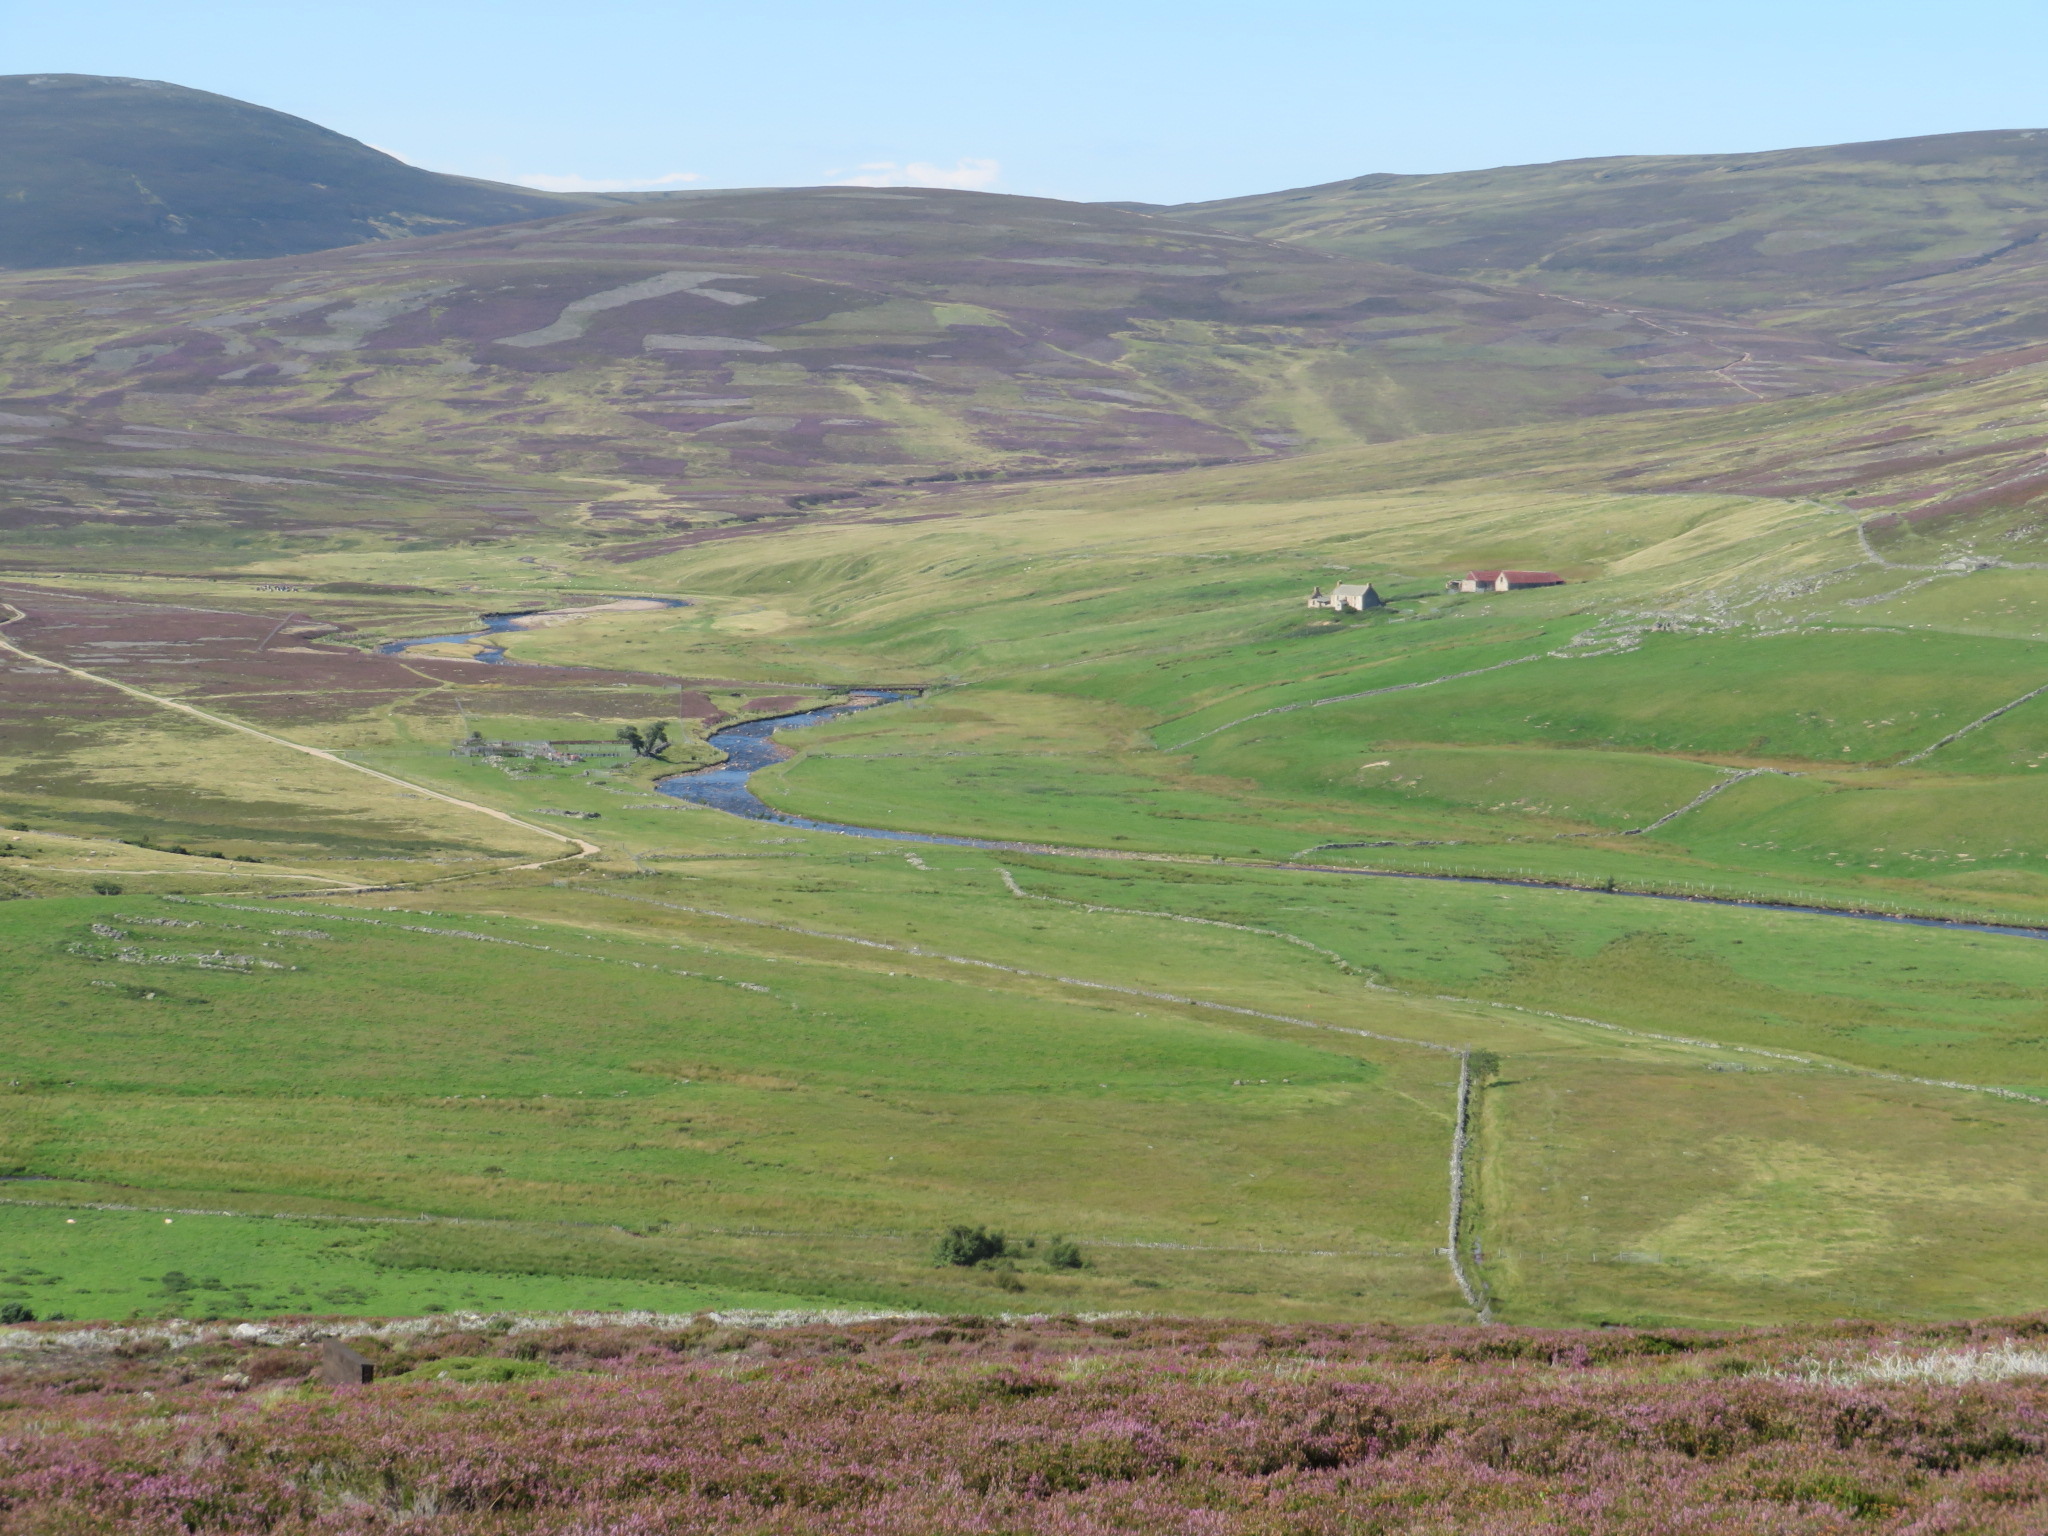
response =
{"points": [[1904, 247]]}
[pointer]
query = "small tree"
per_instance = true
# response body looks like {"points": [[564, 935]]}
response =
{"points": [[968, 1246], [106, 887], [1061, 1254], [651, 742], [1485, 1066]]}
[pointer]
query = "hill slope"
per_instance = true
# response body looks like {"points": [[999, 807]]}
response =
{"points": [[97, 168], [1828, 234], [727, 351]]}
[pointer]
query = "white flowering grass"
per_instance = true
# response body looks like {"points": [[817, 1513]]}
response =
{"points": [[1948, 1367]]}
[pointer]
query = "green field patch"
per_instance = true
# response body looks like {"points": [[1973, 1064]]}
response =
{"points": [[1603, 789], [1840, 698], [1417, 656], [1930, 1002], [1080, 802], [85, 1263], [1662, 1192], [1906, 824], [1983, 602], [2014, 743], [496, 1067]]}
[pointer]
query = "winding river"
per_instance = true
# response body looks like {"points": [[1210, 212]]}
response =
{"points": [[511, 623], [751, 746]]}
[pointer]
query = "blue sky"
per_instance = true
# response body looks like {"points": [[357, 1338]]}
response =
{"points": [[1111, 99]]}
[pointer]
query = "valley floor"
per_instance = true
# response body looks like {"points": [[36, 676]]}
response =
{"points": [[315, 1010]]}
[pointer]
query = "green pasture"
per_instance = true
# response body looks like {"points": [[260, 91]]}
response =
{"points": [[1901, 825], [1859, 1005], [66, 1258], [1660, 1191], [1572, 789], [1882, 997], [2015, 743], [1981, 601], [1809, 698], [1532, 751], [1078, 802], [702, 1094], [1315, 661]]}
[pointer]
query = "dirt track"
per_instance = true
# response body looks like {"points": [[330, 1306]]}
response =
{"points": [[584, 848]]}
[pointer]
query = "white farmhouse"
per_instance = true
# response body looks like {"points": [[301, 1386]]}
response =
{"points": [[1355, 597]]}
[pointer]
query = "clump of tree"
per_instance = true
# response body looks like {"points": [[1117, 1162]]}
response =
{"points": [[968, 1246], [977, 1247], [651, 742]]}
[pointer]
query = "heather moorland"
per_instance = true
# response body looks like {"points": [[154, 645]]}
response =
{"points": [[943, 1424]]}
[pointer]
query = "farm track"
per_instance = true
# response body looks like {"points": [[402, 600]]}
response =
{"points": [[585, 849]]}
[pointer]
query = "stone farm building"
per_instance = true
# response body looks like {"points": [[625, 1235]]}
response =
{"points": [[569, 752], [1502, 581], [1354, 597]]}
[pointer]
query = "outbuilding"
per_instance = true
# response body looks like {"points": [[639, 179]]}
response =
{"points": [[1502, 581]]}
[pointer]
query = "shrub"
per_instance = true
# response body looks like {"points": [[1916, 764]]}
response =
{"points": [[275, 1365], [15, 1312], [968, 1246], [1061, 1254], [106, 887]]}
